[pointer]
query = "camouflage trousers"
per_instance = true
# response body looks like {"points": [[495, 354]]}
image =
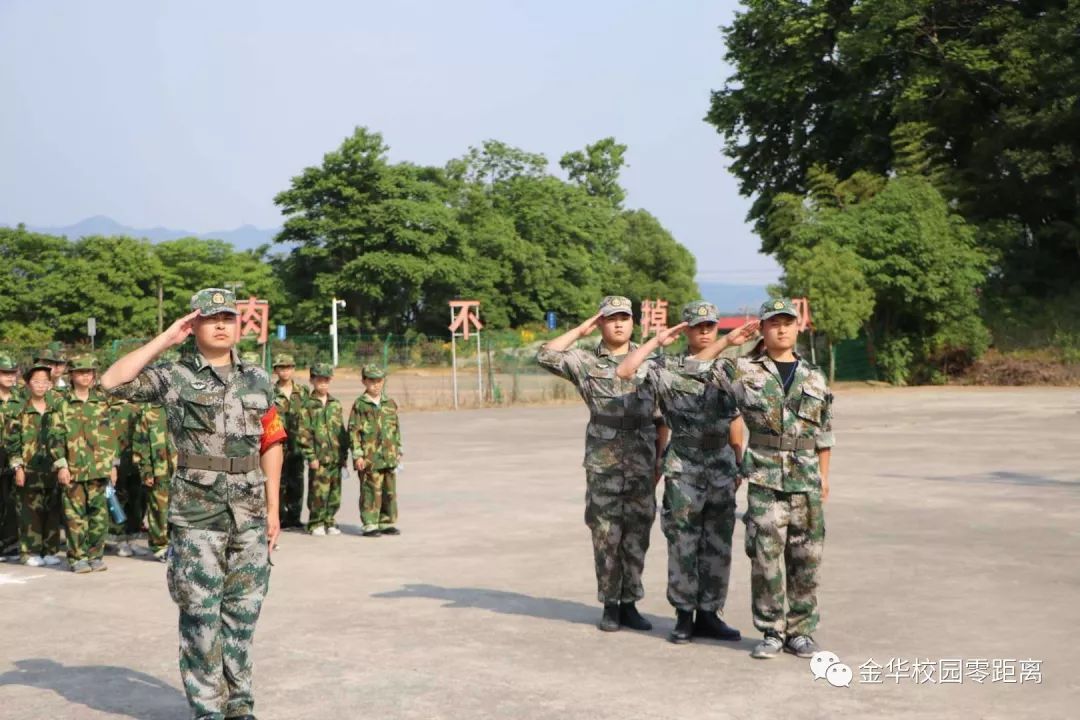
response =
{"points": [[698, 522], [378, 498], [619, 511], [785, 537], [218, 580], [9, 509], [291, 494], [157, 513], [39, 517], [324, 496], [87, 516]]}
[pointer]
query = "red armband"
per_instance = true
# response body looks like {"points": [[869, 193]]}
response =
{"points": [[273, 429]]}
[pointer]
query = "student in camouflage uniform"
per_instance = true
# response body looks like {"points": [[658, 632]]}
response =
{"points": [[129, 486], [699, 468], [27, 441], [324, 445], [11, 400], [83, 445], [53, 358], [223, 513], [154, 453], [375, 435], [787, 406], [622, 440], [289, 396]]}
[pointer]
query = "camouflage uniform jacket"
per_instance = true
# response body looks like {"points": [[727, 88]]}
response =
{"points": [[27, 441], [83, 436], [288, 407], [375, 432], [124, 417], [153, 451], [699, 414], [804, 412], [208, 416], [630, 450], [322, 434], [8, 408]]}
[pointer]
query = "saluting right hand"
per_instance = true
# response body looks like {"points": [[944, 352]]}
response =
{"points": [[666, 337], [179, 331], [589, 326]]}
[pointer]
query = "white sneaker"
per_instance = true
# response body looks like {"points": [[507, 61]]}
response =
{"points": [[50, 560], [139, 550], [162, 555], [333, 530], [320, 531], [34, 561], [124, 549]]}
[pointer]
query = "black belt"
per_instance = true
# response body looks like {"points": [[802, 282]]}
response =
{"points": [[710, 441], [778, 442], [622, 422], [217, 463]]}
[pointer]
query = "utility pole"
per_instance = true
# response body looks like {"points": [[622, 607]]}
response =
{"points": [[334, 304]]}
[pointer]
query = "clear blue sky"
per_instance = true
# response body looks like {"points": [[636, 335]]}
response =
{"points": [[192, 114]]}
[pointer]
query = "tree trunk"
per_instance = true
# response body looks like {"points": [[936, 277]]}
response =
{"points": [[832, 362]]}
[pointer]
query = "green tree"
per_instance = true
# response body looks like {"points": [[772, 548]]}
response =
{"points": [[978, 95], [597, 169]]}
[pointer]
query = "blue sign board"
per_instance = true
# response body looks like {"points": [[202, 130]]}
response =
{"points": [[550, 318], [280, 332]]}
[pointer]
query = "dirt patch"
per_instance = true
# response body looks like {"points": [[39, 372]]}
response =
{"points": [[1023, 367]]}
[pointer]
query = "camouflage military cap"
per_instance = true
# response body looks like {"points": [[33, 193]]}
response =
{"points": [[699, 312], [34, 366], [615, 304], [284, 360], [251, 358], [7, 364], [211, 301], [49, 355], [325, 370], [777, 306], [373, 372], [84, 362]]}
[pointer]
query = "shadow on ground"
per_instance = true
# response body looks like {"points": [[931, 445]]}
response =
{"points": [[109, 689], [513, 603]]}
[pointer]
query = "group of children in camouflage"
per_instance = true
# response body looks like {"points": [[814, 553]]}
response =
{"points": [[63, 443], [682, 418], [320, 441]]}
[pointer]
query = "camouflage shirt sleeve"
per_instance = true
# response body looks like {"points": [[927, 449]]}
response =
{"points": [[305, 440], [823, 438], [56, 434], [140, 445], [149, 385], [566, 364], [13, 441], [356, 424]]}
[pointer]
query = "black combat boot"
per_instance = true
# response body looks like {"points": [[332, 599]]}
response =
{"points": [[709, 624], [684, 627], [631, 618], [610, 621]]}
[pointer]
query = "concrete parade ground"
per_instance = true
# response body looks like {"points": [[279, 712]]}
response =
{"points": [[950, 584]]}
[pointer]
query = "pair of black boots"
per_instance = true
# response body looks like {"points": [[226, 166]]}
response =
{"points": [[706, 624], [618, 615]]}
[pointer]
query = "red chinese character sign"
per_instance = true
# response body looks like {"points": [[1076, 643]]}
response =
{"points": [[802, 305], [653, 317], [253, 318], [465, 318]]}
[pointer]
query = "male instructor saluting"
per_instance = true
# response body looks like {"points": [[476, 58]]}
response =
{"points": [[223, 505]]}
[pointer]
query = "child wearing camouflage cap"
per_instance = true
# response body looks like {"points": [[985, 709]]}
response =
{"points": [[324, 444], [375, 435], [27, 442], [289, 396], [84, 448], [11, 399]]}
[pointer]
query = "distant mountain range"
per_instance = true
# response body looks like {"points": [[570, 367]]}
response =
{"points": [[245, 237]]}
